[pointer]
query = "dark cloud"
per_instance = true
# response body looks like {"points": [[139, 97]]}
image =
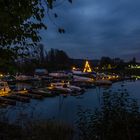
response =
{"points": [[96, 28]]}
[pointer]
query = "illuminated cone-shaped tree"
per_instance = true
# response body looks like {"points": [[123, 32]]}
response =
{"points": [[87, 67]]}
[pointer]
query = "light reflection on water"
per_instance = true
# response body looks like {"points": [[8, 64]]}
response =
{"points": [[65, 108]]}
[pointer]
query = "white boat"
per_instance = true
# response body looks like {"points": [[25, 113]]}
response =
{"points": [[68, 85], [78, 72], [4, 88], [75, 88], [82, 79], [58, 75], [23, 78], [61, 87]]}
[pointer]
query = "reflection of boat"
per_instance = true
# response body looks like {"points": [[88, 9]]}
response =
{"points": [[4, 88], [102, 82]]}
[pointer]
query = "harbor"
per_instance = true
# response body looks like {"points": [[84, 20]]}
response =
{"points": [[23, 88], [69, 70], [64, 108]]}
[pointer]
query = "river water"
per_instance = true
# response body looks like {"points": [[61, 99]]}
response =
{"points": [[66, 108]]}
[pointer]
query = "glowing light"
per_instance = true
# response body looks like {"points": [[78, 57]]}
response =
{"points": [[73, 68], [109, 66], [134, 67], [87, 67]]}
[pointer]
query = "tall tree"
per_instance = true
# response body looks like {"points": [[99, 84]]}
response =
{"points": [[20, 23]]}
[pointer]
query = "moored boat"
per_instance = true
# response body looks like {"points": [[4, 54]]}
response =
{"points": [[68, 86], [42, 92]]}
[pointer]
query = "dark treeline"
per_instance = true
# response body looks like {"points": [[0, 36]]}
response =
{"points": [[106, 63], [53, 60]]}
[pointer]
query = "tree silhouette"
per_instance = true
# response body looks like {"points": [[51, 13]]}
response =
{"points": [[20, 23], [21, 20]]}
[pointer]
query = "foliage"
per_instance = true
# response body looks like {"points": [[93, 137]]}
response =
{"points": [[45, 130], [115, 63], [58, 60], [21, 20], [26, 127], [118, 119], [20, 23], [52, 60]]}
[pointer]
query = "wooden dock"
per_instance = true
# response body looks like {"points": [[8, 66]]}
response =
{"points": [[7, 101], [45, 94], [29, 95], [17, 98]]}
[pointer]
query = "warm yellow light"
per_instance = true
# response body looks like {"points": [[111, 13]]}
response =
{"points": [[109, 66], [1, 75], [109, 77], [50, 88], [87, 67], [73, 68]]}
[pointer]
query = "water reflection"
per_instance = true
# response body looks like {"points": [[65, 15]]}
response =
{"points": [[118, 118], [65, 108]]}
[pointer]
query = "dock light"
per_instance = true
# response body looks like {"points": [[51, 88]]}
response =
{"points": [[73, 68], [92, 79], [109, 77], [1, 75]]}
